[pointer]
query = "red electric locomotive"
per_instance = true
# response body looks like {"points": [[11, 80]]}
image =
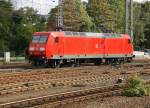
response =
{"points": [[60, 48]]}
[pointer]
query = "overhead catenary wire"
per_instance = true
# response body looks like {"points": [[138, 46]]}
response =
{"points": [[17, 4]]}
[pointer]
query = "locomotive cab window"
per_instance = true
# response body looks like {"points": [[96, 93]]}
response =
{"points": [[56, 39], [39, 39], [43, 39], [35, 39]]}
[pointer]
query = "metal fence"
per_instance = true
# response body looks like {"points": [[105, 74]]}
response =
{"points": [[1, 54], [13, 57]]}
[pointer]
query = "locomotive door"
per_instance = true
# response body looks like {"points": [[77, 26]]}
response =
{"points": [[61, 47], [102, 48], [56, 46]]}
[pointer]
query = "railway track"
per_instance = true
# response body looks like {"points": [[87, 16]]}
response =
{"points": [[73, 81], [68, 97], [43, 74], [79, 99], [22, 82], [42, 79], [61, 98]]}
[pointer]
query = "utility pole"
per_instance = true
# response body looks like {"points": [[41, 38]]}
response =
{"points": [[126, 16], [131, 18], [60, 21]]}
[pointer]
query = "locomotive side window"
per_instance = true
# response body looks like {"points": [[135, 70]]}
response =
{"points": [[68, 33], [75, 33], [56, 39], [82, 34], [35, 39], [129, 41]]}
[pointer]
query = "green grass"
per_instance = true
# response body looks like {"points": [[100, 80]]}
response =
{"points": [[136, 87]]}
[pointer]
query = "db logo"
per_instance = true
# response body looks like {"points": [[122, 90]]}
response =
{"points": [[96, 46]]}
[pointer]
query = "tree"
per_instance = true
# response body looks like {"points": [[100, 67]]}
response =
{"points": [[86, 23], [146, 10], [25, 22], [141, 25], [102, 14], [51, 25], [118, 8], [5, 23], [138, 25], [17, 26]]}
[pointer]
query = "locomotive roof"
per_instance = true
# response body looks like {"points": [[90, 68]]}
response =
{"points": [[91, 34], [86, 34]]}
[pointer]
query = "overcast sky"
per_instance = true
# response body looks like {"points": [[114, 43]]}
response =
{"points": [[43, 6]]}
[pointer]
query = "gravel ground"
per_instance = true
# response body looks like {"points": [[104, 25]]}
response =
{"points": [[112, 102]]}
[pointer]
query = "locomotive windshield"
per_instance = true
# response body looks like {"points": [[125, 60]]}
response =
{"points": [[39, 39]]}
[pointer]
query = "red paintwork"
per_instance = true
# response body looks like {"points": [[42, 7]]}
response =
{"points": [[118, 45], [81, 45]]}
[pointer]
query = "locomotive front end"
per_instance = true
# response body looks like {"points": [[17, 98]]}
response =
{"points": [[37, 49]]}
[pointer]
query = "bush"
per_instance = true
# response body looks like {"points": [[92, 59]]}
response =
{"points": [[147, 90], [136, 87]]}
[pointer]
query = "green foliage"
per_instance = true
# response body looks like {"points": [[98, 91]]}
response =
{"points": [[5, 23], [17, 26], [119, 15], [136, 87], [25, 22], [86, 23], [141, 24], [147, 87], [102, 14]]}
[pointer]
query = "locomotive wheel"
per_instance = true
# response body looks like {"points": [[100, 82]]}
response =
{"points": [[98, 62], [129, 60], [73, 65], [118, 62], [54, 64], [115, 61], [107, 61], [57, 64]]}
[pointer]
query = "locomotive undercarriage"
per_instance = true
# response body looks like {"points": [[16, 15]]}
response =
{"points": [[37, 61], [57, 63]]}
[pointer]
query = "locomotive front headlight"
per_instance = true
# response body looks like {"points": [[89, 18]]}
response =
{"points": [[42, 49], [31, 49]]}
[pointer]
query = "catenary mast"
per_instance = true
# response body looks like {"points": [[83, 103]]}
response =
{"points": [[129, 18], [60, 18]]}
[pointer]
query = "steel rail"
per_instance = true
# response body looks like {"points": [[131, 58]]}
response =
{"points": [[80, 98], [67, 97], [61, 96], [37, 85]]}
